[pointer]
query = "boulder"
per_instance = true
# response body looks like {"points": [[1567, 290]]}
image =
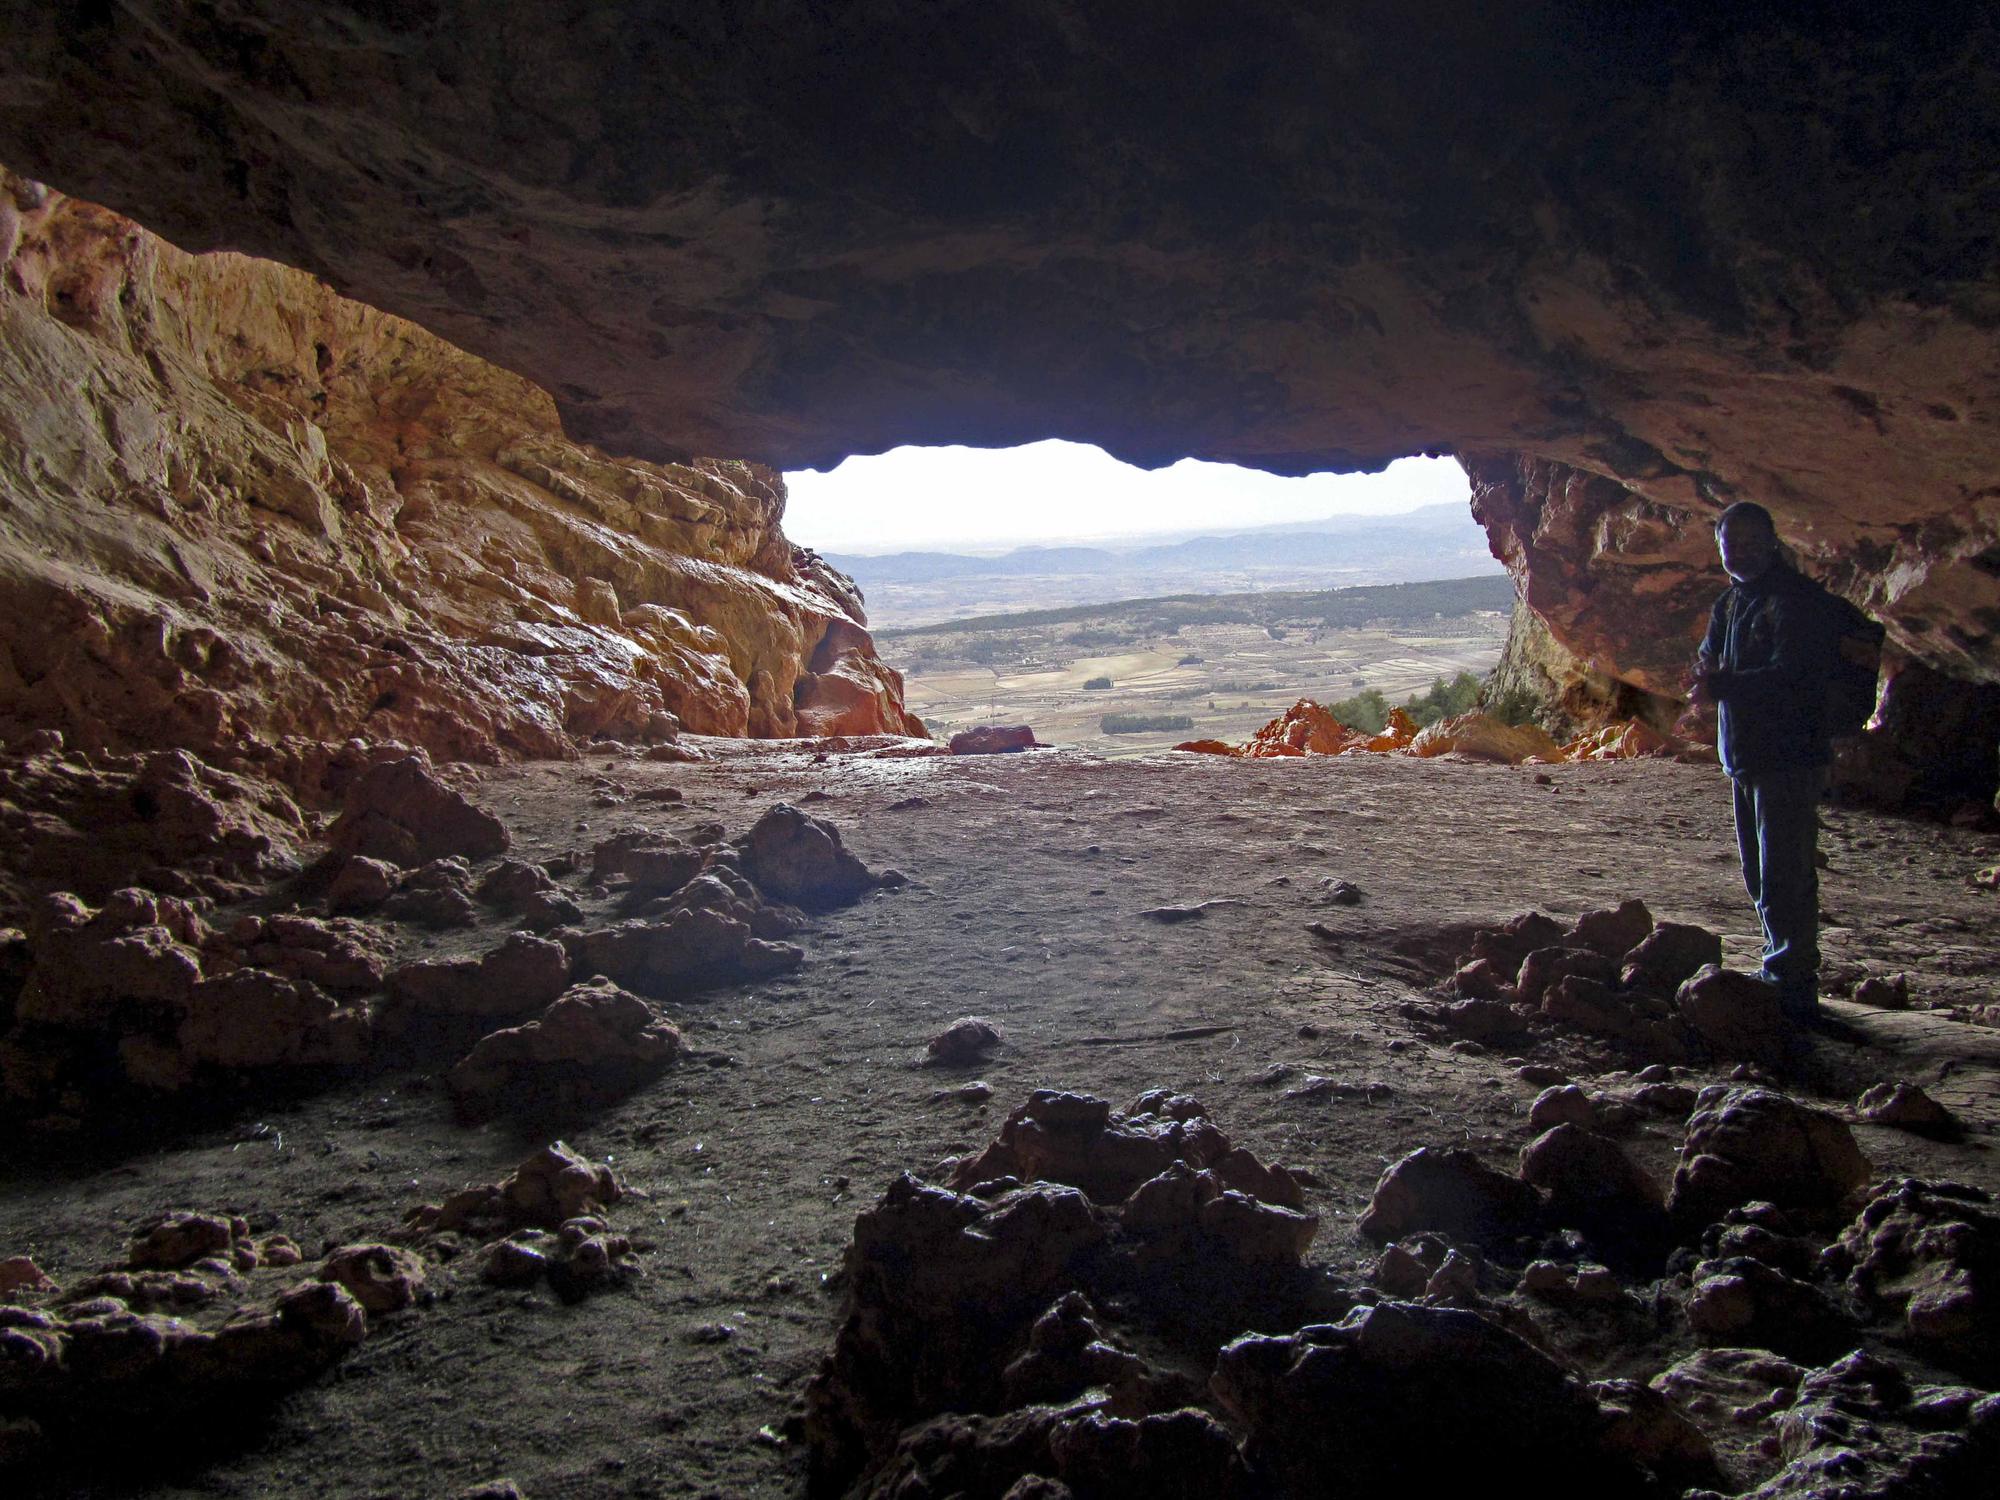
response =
{"points": [[251, 1018], [437, 894], [693, 948], [550, 1187], [964, 1043], [1668, 955], [1751, 1143], [648, 860], [1505, 946], [1905, 1106], [1862, 1430], [399, 812], [1734, 1015], [361, 885], [1454, 1193], [1561, 1104], [594, 1044], [1614, 932], [1480, 736], [796, 858], [1430, 1400], [1637, 1020], [1592, 1184], [524, 974], [1544, 968], [993, 739], [1740, 1301], [382, 1278], [1928, 1253]]}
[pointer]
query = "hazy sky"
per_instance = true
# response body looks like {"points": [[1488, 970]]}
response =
{"points": [[978, 498]]}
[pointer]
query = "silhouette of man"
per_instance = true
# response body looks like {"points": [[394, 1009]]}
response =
{"points": [[1764, 663]]}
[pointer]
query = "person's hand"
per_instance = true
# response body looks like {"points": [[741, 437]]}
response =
{"points": [[1700, 684]]}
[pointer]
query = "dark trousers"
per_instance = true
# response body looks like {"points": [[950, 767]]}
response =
{"points": [[1777, 834]]}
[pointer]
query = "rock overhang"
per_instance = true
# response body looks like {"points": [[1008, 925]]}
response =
{"points": [[1703, 257]]}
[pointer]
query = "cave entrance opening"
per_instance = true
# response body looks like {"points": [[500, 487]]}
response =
{"points": [[1127, 610]]}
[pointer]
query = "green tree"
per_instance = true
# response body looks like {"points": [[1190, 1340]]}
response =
{"points": [[1367, 711]]}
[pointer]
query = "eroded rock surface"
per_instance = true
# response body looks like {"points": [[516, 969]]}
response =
{"points": [[983, 1296], [286, 519]]}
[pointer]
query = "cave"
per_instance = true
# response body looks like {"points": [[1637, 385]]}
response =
{"points": [[421, 744]]}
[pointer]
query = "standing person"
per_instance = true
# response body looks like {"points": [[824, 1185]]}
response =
{"points": [[1765, 663]]}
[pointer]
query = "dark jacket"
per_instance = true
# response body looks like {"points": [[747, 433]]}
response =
{"points": [[1771, 642]]}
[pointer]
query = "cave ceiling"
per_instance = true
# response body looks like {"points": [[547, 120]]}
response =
{"points": [[1745, 256]]}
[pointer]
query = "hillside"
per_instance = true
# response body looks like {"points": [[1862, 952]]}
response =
{"points": [[1434, 541]]}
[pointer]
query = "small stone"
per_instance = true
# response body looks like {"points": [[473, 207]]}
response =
{"points": [[20, 1274], [966, 1041], [1564, 1104], [1885, 992], [1906, 1107], [381, 1278]]}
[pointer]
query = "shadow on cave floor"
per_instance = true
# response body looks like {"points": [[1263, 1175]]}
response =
{"points": [[1031, 878]]}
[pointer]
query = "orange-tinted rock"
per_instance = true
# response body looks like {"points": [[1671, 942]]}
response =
{"points": [[1303, 729], [847, 689], [295, 518], [1627, 741], [164, 820], [1209, 747], [1398, 734]]}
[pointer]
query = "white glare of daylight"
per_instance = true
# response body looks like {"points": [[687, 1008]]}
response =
{"points": [[996, 498]]}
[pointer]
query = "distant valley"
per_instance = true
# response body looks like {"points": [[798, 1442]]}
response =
{"points": [[904, 589]]}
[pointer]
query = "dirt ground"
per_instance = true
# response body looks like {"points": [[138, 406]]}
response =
{"points": [[1029, 875]]}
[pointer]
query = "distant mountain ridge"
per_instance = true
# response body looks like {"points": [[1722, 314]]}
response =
{"points": [[1337, 541], [1432, 542]]}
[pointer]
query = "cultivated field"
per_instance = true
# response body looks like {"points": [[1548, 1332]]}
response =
{"points": [[1226, 674]]}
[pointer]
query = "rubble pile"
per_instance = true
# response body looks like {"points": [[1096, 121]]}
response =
{"points": [[143, 991], [545, 1221], [978, 1310], [1099, 1294], [93, 823], [201, 1320], [1617, 975], [1309, 728]]}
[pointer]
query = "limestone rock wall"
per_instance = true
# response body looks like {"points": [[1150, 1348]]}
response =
{"points": [[239, 512], [1618, 588]]}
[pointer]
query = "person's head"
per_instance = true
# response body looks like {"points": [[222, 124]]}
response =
{"points": [[1747, 539]]}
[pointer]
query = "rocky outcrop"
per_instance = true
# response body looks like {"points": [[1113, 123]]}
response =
{"points": [[246, 517]]}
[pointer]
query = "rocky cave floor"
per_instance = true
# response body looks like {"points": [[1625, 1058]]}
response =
{"points": [[803, 1096]]}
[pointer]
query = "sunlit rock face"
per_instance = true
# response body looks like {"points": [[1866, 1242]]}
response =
{"points": [[1707, 253], [238, 512]]}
